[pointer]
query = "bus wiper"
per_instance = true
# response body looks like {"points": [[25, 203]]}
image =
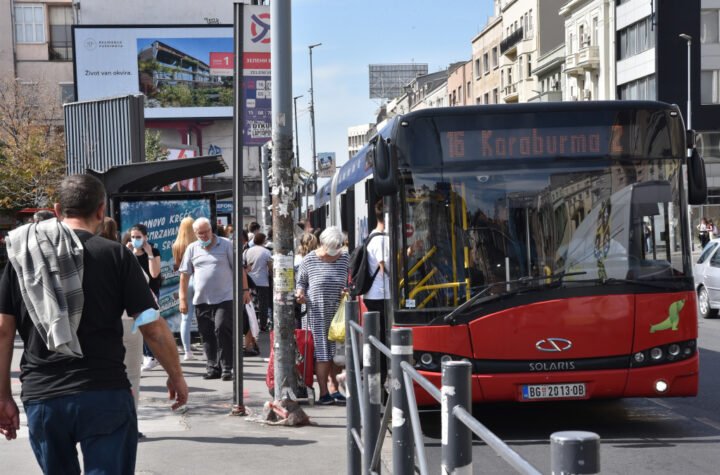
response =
{"points": [[450, 317]]}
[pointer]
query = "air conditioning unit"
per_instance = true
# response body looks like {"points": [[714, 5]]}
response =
{"points": [[249, 211]]}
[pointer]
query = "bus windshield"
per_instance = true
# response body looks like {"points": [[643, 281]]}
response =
{"points": [[593, 221]]}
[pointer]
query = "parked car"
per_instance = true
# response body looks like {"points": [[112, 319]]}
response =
{"points": [[707, 279]]}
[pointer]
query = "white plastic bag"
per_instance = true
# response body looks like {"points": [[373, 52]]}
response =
{"points": [[252, 318]]}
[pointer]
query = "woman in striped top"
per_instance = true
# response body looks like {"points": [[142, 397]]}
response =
{"points": [[322, 278]]}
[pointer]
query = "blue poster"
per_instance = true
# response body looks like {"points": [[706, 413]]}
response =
{"points": [[162, 218]]}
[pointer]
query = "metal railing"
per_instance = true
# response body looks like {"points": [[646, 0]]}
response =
{"points": [[368, 420]]}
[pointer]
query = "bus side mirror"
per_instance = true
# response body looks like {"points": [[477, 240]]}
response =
{"points": [[697, 182], [385, 175]]}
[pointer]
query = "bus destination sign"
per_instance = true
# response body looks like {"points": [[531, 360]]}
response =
{"points": [[533, 143]]}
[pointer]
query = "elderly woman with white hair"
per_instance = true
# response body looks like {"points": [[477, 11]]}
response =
{"points": [[322, 278]]}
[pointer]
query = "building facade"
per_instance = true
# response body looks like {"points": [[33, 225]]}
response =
{"points": [[589, 50], [486, 62]]}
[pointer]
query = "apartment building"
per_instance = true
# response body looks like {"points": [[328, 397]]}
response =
{"points": [[486, 61], [589, 69], [358, 136], [529, 27], [459, 85], [36, 44]]}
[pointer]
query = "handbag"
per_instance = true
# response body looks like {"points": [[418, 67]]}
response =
{"points": [[252, 318], [337, 326]]}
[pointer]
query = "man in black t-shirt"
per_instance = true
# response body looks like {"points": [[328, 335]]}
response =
{"points": [[86, 400]]}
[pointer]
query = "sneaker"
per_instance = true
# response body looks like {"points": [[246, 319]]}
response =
{"points": [[211, 375], [149, 363], [189, 356], [252, 352], [339, 398], [326, 400], [227, 376]]}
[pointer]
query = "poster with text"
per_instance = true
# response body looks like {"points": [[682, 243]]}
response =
{"points": [[162, 218]]}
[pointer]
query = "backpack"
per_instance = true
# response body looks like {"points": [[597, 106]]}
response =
{"points": [[360, 278]]}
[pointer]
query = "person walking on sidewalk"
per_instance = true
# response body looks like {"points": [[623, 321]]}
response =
{"points": [[259, 267], [149, 258], [322, 278], [65, 293], [185, 237], [210, 261]]}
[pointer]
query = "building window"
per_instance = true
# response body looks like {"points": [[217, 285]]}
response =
{"points": [[636, 38], [486, 97], [640, 89], [529, 66], [61, 20], [485, 63], [477, 68], [710, 87], [570, 44], [495, 57], [709, 27], [581, 36], [530, 21], [29, 24], [67, 93], [495, 96], [595, 31], [467, 92]]}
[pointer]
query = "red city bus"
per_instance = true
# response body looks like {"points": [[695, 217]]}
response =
{"points": [[547, 244]]}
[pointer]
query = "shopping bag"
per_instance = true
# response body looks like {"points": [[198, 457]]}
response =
{"points": [[337, 326], [252, 318]]}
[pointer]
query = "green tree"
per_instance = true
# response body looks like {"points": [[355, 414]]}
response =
{"points": [[32, 145], [154, 149]]}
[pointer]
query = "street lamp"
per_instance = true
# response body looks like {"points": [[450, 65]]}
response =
{"points": [[312, 113], [297, 154], [688, 38]]}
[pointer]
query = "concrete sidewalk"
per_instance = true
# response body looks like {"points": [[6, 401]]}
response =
{"points": [[205, 439]]}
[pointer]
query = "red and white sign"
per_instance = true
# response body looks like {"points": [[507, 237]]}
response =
{"points": [[192, 184], [222, 64]]}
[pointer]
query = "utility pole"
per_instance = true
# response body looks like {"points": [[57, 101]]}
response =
{"points": [[238, 408], [298, 197], [312, 116], [283, 196]]}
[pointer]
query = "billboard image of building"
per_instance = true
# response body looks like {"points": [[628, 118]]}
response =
{"points": [[388, 81], [184, 71], [176, 72]]}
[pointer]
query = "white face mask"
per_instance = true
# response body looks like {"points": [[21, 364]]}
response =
{"points": [[332, 252]]}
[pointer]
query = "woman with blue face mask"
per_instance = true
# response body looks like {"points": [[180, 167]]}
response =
{"points": [[149, 259]]}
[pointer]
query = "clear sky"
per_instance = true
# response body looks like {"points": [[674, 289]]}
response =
{"points": [[357, 33]]}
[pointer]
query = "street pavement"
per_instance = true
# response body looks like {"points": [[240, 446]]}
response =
{"points": [[205, 439]]}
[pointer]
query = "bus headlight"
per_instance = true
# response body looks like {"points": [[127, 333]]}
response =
{"points": [[661, 386], [674, 349], [639, 357], [426, 359], [656, 354], [445, 359]]}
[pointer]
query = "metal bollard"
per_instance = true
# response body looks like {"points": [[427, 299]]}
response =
{"points": [[456, 437], [371, 389], [574, 452], [403, 445], [354, 461]]}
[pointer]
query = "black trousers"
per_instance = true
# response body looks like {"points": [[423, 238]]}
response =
{"points": [[215, 324]]}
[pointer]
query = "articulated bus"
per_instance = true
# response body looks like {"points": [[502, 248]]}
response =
{"points": [[547, 244]]}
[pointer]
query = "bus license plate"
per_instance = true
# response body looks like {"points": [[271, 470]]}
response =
{"points": [[553, 391]]}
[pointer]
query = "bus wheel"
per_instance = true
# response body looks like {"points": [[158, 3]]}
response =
{"points": [[704, 304]]}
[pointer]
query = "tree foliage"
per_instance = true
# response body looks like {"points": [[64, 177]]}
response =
{"points": [[154, 149], [32, 145]]}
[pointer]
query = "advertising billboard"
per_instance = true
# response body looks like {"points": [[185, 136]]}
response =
{"points": [[183, 71], [325, 164], [162, 216]]}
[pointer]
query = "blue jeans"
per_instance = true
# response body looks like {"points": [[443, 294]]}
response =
{"points": [[186, 318], [103, 422]]}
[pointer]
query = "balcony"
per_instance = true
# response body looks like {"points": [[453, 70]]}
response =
{"points": [[509, 44], [586, 59], [510, 93]]}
